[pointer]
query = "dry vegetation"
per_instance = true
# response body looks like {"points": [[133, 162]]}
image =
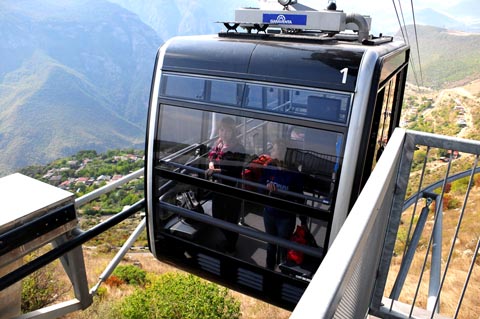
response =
{"points": [[461, 260]]}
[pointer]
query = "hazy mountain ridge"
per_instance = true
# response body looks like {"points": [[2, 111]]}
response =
{"points": [[37, 128], [448, 58], [431, 17], [74, 75], [184, 17], [464, 16], [469, 10]]}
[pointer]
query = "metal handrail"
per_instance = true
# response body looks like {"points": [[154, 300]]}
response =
{"points": [[352, 279], [78, 239]]}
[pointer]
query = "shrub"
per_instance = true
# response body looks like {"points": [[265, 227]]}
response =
{"points": [[176, 296], [476, 179], [448, 188], [41, 289], [130, 274], [418, 159], [114, 281], [460, 185], [450, 202], [101, 293]]}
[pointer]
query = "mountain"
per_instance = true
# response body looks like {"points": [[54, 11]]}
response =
{"points": [[448, 58], [185, 17], [75, 74], [101, 40], [36, 126]]}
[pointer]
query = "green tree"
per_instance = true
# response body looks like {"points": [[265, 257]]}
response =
{"points": [[87, 154]]}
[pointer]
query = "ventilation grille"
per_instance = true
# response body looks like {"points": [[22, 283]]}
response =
{"points": [[291, 293], [209, 264], [250, 279]]}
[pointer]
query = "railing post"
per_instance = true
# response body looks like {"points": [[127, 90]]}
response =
{"points": [[408, 258], [74, 266], [119, 256], [436, 259]]}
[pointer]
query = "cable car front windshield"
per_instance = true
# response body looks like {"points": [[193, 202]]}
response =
{"points": [[241, 184]]}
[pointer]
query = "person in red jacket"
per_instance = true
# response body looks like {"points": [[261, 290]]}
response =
{"points": [[226, 158]]}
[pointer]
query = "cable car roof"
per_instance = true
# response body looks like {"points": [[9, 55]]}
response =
{"points": [[292, 61]]}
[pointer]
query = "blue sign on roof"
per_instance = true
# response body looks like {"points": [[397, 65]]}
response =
{"points": [[285, 19]]}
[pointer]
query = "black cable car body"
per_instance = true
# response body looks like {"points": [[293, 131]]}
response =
{"points": [[334, 103]]}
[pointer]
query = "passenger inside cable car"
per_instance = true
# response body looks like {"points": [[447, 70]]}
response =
{"points": [[279, 175], [226, 159]]}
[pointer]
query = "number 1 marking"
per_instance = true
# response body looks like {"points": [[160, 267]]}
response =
{"points": [[344, 71]]}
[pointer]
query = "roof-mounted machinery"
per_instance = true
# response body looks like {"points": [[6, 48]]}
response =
{"points": [[294, 18]]}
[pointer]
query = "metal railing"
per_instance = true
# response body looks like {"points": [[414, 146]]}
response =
{"points": [[70, 252], [409, 248]]}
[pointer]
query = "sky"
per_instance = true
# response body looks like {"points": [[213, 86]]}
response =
{"points": [[375, 5], [382, 12], [381, 7]]}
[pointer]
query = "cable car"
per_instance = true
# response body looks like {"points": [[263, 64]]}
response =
{"points": [[261, 133]]}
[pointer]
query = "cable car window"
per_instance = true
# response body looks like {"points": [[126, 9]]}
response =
{"points": [[184, 87], [255, 95], [239, 186], [226, 92], [332, 107], [313, 104], [203, 89], [173, 129], [385, 121]]}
